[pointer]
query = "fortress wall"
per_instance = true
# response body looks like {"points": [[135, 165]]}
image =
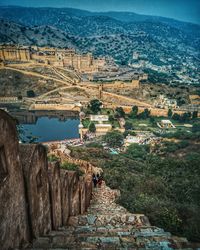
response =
{"points": [[135, 84], [69, 107], [64, 196], [82, 195], [85, 183], [52, 56], [36, 196], [34, 163], [74, 201], [55, 194], [122, 100], [13, 216], [11, 53], [88, 190], [154, 111]]}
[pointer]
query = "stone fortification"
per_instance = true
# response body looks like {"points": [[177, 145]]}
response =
{"points": [[52, 56], [13, 218], [36, 196]]}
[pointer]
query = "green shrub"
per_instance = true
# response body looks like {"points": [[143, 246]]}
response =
{"points": [[72, 167], [94, 145], [52, 158], [114, 138], [137, 151]]}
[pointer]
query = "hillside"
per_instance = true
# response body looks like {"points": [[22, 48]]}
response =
{"points": [[54, 16], [160, 44], [44, 35]]}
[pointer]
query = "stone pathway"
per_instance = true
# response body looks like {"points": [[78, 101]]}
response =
{"points": [[109, 226]]}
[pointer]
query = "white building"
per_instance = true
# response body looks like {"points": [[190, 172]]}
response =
{"points": [[166, 124], [99, 118]]}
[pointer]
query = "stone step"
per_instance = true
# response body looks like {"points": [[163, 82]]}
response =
{"points": [[155, 239], [56, 241], [108, 226], [115, 219], [101, 242]]}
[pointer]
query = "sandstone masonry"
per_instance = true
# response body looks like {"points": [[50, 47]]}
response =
{"points": [[36, 197]]}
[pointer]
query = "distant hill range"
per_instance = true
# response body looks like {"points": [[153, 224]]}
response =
{"points": [[116, 34]]}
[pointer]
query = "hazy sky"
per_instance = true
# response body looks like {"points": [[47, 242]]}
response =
{"points": [[186, 10]]}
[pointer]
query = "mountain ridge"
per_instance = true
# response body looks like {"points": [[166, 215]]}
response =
{"points": [[109, 13]]}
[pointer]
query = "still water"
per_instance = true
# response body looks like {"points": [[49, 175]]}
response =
{"points": [[52, 129]]}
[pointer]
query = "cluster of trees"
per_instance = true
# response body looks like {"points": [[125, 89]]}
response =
{"points": [[30, 93], [187, 116], [92, 127], [114, 138], [170, 147], [143, 115], [94, 106]]}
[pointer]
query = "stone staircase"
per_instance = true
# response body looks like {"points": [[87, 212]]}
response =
{"points": [[109, 226]]}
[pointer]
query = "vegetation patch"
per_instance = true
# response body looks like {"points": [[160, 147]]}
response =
{"points": [[72, 167]]}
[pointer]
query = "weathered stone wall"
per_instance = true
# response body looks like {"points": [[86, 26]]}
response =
{"points": [[82, 195], [35, 197], [64, 196], [55, 194], [13, 218], [74, 202], [34, 163], [122, 100]]}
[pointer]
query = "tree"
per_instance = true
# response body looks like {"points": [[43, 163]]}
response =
{"points": [[92, 127], [129, 132], [111, 118], [20, 97], [114, 139], [30, 93], [194, 114], [196, 127], [169, 114], [128, 125], [95, 106], [119, 112], [185, 117], [134, 112], [152, 120], [145, 114], [176, 117]]}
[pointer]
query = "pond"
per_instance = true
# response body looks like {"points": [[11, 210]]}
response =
{"points": [[48, 127]]}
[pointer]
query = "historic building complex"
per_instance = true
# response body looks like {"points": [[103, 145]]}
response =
{"points": [[52, 56]]}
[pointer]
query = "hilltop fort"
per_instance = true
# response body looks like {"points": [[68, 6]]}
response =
{"points": [[52, 56]]}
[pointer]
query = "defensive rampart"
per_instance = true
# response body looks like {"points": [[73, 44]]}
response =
{"points": [[36, 196]]}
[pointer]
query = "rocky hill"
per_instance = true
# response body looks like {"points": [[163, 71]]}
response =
{"points": [[44, 35], [159, 42]]}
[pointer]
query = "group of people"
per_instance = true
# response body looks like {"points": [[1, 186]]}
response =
{"points": [[97, 180]]}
